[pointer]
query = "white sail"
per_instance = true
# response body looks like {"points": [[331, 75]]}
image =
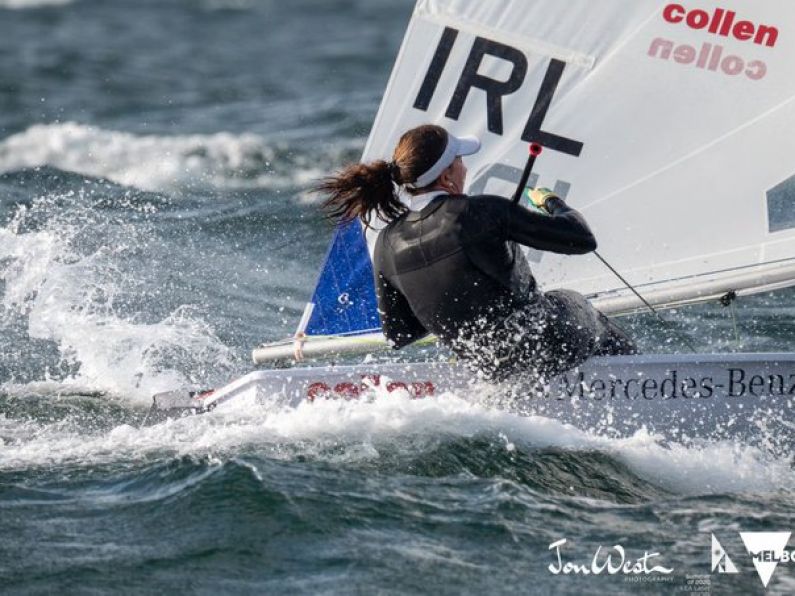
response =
{"points": [[669, 128], [668, 125]]}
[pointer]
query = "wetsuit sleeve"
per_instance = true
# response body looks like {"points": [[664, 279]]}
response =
{"points": [[398, 321], [563, 231]]}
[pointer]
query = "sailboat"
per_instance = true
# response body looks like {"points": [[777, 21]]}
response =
{"points": [[668, 125]]}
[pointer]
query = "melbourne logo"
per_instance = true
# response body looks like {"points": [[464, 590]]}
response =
{"points": [[767, 549]]}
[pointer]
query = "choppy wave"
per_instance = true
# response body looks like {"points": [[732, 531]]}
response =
{"points": [[150, 162], [63, 272], [366, 434]]}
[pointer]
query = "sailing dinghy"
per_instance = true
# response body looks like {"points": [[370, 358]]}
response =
{"points": [[668, 125]]}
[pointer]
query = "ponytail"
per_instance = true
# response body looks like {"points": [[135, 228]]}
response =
{"points": [[361, 190]]}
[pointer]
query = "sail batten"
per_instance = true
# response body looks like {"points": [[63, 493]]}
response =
{"points": [[526, 42]]}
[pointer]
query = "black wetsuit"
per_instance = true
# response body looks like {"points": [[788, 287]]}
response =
{"points": [[455, 269]]}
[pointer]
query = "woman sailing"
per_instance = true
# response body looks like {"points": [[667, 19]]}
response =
{"points": [[450, 264]]}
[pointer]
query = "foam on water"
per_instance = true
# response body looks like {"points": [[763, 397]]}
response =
{"points": [[67, 296], [148, 162], [343, 432], [53, 286]]}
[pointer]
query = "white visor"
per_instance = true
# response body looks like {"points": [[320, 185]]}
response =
{"points": [[456, 146]]}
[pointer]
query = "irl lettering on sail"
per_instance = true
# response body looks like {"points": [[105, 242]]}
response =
{"points": [[470, 78]]}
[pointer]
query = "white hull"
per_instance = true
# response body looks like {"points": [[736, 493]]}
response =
{"points": [[746, 396]]}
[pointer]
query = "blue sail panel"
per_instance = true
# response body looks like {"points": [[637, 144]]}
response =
{"points": [[344, 299]]}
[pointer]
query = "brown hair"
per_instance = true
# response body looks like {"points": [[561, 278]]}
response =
{"points": [[361, 190]]}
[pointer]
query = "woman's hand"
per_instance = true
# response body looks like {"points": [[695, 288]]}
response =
{"points": [[540, 196]]}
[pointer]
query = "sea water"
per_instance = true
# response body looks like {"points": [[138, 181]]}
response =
{"points": [[156, 224]]}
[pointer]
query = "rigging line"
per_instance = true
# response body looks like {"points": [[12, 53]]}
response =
{"points": [[651, 284], [535, 151], [728, 299], [667, 324]]}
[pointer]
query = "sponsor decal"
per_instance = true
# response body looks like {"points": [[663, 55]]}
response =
{"points": [[351, 390], [732, 382], [728, 383], [204, 394], [721, 22], [708, 56], [611, 561], [712, 56]]}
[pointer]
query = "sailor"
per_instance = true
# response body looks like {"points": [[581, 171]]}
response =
{"points": [[450, 263]]}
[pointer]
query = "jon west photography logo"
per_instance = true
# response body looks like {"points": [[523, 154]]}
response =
{"points": [[609, 561], [767, 550]]}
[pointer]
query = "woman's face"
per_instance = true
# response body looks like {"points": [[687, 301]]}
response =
{"points": [[454, 178]]}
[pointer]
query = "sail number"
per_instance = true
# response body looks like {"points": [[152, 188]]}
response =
{"points": [[471, 78]]}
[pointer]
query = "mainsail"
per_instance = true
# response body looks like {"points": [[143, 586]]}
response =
{"points": [[668, 125]]}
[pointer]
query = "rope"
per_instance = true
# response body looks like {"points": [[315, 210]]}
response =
{"points": [[667, 324], [728, 300]]}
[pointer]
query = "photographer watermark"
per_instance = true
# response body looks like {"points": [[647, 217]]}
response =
{"points": [[610, 561]]}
